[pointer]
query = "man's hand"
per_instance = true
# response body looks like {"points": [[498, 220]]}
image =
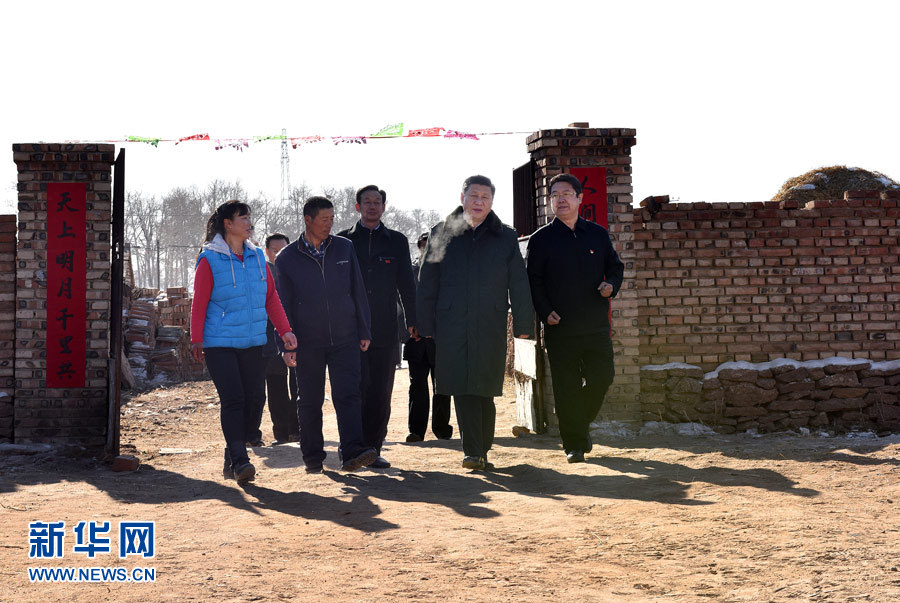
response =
{"points": [[290, 358], [197, 352], [414, 333], [364, 344], [605, 289], [553, 318], [290, 340]]}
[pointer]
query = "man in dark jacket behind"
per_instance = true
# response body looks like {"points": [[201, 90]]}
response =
{"points": [[574, 271], [384, 261], [281, 381], [324, 297], [472, 271], [419, 353]]}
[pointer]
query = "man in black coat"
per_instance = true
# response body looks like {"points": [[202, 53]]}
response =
{"points": [[574, 271], [471, 274], [383, 256], [324, 297]]}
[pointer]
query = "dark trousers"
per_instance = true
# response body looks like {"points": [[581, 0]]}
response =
{"points": [[281, 394], [378, 367], [420, 357], [344, 374], [239, 377], [476, 416], [582, 371]]}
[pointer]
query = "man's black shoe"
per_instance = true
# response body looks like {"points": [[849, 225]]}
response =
{"points": [[257, 443], [364, 459], [314, 468], [380, 463], [444, 435], [244, 473], [576, 456], [413, 437]]}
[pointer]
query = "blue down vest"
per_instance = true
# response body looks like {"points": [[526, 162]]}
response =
{"points": [[236, 314]]}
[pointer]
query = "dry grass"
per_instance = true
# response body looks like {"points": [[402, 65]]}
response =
{"points": [[831, 182]]}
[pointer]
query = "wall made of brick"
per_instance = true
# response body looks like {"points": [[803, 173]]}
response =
{"points": [[755, 282], [7, 324], [41, 414]]}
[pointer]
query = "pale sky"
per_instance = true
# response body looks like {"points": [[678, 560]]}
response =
{"points": [[729, 99]]}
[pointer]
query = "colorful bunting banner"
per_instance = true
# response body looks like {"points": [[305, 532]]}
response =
{"points": [[424, 132], [296, 142], [194, 137], [262, 138], [350, 139], [389, 131], [152, 141], [455, 134]]}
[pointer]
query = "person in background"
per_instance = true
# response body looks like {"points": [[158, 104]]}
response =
{"points": [[419, 355], [234, 293], [324, 296], [281, 380], [471, 273], [383, 256], [574, 271]]}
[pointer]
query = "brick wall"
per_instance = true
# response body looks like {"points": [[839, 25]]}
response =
{"points": [[41, 414], [554, 152], [7, 324], [755, 282]]}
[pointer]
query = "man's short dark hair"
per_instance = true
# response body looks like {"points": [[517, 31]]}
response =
{"points": [[314, 204], [423, 240], [276, 236], [371, 187], [478, 179], [568, 179]]}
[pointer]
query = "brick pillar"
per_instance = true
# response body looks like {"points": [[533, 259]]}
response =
{"points": [[554, 152], [7, 324], [56, 415]]}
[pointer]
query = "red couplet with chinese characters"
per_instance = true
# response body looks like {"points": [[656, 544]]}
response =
{"points": [[593, 189], [66, 284]]}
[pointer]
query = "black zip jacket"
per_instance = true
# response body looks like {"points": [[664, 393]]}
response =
{"points": [[384, 262], [325, 303], [565, 267]]}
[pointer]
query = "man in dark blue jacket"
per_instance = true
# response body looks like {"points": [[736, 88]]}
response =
{"points": [[574, 270], [384, 261], [324, 297]]}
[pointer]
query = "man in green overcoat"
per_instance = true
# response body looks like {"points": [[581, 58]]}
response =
{"points": [[472, 272]]}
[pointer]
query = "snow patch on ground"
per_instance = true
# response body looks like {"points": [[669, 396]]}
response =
{"points": [[820, 363], [665, 367]]}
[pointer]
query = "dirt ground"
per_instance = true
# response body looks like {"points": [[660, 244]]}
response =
{"points": [[647, 518]]}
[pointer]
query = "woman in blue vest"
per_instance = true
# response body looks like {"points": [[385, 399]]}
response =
{"points": [[234, 293]]}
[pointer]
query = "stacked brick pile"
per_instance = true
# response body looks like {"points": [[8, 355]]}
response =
{"points": [[7, 324], [140, 332], [720, 282], [175, 308], [555, 152], [834, 393], [157, 335]]}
